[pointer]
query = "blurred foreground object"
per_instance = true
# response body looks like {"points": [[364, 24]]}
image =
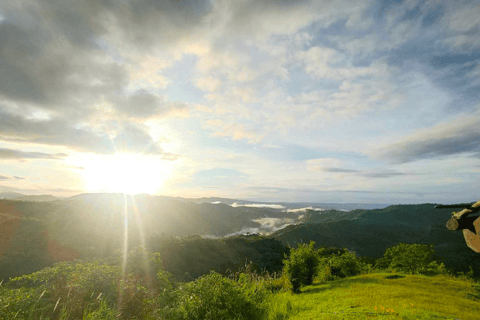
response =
{"points": [[468, 224]]}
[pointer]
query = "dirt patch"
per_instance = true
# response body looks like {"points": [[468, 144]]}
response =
{"points": [[395, 276]]}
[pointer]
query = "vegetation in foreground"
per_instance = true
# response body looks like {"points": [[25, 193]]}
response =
{"points": [[324, 283]]}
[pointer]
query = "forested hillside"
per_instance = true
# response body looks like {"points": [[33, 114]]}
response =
{"points": [[370, 232], [34, 235]]}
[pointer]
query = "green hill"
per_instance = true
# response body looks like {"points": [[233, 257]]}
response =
{"points": [[381, 296], [370, 232]]}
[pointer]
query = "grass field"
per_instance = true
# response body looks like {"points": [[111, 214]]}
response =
{"points": [[374, 296]]}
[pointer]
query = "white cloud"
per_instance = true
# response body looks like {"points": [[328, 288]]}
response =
{"points": [[464, 18], [304, 210], [259, 205], [209, 84], [458, 136]]}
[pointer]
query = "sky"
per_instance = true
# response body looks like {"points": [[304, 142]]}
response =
{"points": [[272, 100]]}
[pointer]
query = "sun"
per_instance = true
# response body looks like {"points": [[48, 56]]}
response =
{"points": [[125, 173]]}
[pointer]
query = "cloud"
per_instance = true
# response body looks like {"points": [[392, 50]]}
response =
{"points": [[297, 210], [464, 18], [139, 105], [462, 24], [460, 136], [53, 74], [111, 137], [267, 226], [338, 170], [237, 131], [209, 84], [145, 105], [259, 205], [65, 61], [22, 155], [331, 165], [358, 88], [5, 177], [322, 164], [383, 173], [259, 20]]}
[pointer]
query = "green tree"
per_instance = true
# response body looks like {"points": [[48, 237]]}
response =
{"points": [[301, 266], [410, 258]]}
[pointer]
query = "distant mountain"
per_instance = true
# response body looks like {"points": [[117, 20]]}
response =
{"points": [[24, 197], [10, 195], [36, 234], [41, 197], [93, 224], [292, 205], [370, 232]]}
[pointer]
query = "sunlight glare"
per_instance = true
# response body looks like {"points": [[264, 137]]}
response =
{"points": [[126, 173]]}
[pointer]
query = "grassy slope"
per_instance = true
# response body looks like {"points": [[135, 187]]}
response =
{"points": [[373, 296]]}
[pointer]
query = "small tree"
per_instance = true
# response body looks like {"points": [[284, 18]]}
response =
{"points": [[301, 267], [409, 258]]}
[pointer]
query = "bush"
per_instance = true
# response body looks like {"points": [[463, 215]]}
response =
{"points": [[345, 265], [409, 258], [301, 267], [433, 268], [215, 297], [66, 288], [336, 263]]}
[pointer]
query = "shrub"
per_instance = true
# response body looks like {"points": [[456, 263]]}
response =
{"points": [[215, 297], [409, 258], [340, 264], [301, 266], [433, 268], [345, 265]]}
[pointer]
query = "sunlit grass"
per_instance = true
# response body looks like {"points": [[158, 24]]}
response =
{"points": [[372, 296]]}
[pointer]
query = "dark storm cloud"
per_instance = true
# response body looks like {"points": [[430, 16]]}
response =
{"points": [[459, 137], [22, 155]]}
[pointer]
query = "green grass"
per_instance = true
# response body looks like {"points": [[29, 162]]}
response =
{"points": [[372, 296], [368, 296]]}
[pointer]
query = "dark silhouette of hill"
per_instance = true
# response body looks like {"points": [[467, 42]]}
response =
{"points": [[370, 232]]}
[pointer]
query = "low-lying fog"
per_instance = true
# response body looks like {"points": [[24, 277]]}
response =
{"points": [[274, 216]]}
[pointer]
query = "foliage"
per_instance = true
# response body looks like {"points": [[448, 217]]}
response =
{"points": [[188, 258], [410, 258], [301, 266], [342, 266], [66, 287], [215, 297], [340, 263]]}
